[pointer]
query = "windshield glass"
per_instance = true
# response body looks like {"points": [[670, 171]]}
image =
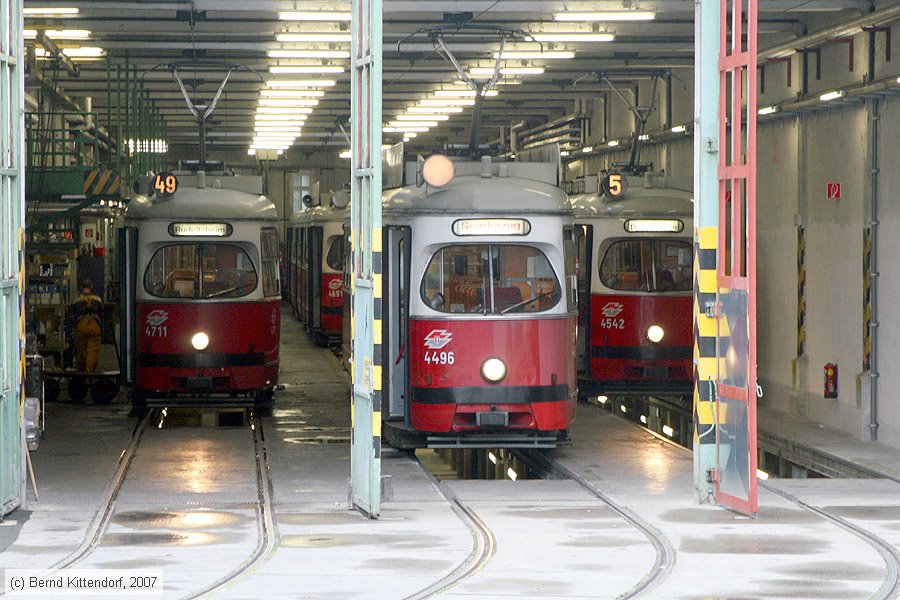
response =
{"points": [[490, 279], [648, 265], [200, 271]]}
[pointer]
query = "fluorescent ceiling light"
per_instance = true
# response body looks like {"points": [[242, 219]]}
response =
{"points": [[48, 11], [447, 102], [767, 110], [606, 15], [307, 15], [420, 117], [564, 153], [507, 71], [573, 37], [534, 55], [462, 93], [413, 123], [308, 54], [409, 135], [644, 137], [58, 34], [281, 110], [306, 69], [831, 95], [588, 149], [292, 93], [281, 118], [300, 83], [679, 129], [313, 37], [288, 102], [434, 110], [612, 143], [404, 129], [81, 52], [345, 154]]}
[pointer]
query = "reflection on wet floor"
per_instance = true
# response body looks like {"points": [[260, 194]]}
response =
{"points": [[151, 519]]}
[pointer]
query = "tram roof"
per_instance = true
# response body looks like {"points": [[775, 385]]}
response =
{"points": [[203, 204], [321, 214], [478, 195], [638, 200]]}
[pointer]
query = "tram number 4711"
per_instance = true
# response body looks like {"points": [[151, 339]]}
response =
{"points": [[156, 331], [439, 358]]}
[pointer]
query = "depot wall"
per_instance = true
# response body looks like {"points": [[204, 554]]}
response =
{"points": [[798, 155]]}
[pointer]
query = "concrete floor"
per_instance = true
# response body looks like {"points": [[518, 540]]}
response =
{"points": [[189, 506]]}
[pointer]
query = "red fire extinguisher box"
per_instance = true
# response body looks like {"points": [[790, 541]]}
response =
{"points": [[831, 380]]}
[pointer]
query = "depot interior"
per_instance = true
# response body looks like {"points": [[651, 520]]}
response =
{"points": [[591, 76]]}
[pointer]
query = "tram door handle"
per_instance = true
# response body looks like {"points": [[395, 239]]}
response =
{"points": [[573, 283]]}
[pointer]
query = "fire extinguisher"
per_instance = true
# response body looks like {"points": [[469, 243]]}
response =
{"points": [[831, 381]]}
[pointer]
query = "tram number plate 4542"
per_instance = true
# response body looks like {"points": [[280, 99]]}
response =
{"points": [[439, 358], [612, 323]]}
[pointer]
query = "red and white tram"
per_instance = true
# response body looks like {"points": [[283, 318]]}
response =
{"points": [[635, 271], [201, 292], [316, 265], [479, 315]]}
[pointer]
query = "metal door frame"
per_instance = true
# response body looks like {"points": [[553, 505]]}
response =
{"points": [[736, 268]]}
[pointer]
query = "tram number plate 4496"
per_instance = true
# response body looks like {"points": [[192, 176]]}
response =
{"points": [[440, 358]]}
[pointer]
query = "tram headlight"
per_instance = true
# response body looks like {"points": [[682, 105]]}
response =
{"points": [[655, 333], [493, 370], [200, 341]]}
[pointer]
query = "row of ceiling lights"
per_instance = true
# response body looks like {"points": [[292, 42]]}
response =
{"points": [[284, 105]]}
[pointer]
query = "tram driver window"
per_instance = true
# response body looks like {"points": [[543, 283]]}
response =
{"points": [[647, 265], [490, 279], [335, 256], [200, 271]]}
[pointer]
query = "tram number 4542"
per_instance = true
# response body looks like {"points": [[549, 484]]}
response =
{"points": [[439, 358], [612, 323]]}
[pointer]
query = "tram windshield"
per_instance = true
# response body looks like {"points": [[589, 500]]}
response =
{"points": [[648, 265], [200, 271], [515, 279], [335, 256]]}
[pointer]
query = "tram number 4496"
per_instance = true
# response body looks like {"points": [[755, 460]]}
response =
{"points": [[612, 323], [439, 358]]}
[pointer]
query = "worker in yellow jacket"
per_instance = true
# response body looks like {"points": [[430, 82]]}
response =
{"points": [[85, 318]]}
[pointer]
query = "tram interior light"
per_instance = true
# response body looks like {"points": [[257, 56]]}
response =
{"points": [[644, 419], [602, 399], [622, 408], [760, 474], [492, 457], [511, 474], [438, 171], [668, 430]]}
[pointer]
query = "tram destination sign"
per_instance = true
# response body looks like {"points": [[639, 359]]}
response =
{"points": [[491, 227], [200, 229]]}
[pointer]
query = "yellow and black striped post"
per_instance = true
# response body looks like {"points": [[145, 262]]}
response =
{"points": [[705, 338]]}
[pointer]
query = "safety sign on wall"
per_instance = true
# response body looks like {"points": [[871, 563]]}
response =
{"points": [[833, 190]]}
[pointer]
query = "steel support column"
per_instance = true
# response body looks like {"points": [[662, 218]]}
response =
{"points": [[706, 220], [12, 272], [365, 220]]}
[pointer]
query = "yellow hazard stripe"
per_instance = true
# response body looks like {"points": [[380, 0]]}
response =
{"points": [[376, 332], [88, 182], [101, 185], [376, 423]]}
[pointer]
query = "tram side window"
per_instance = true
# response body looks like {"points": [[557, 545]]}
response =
{"points": [[335, 256], [269, 247], [200, 271], [490, 279], [648, 265]]}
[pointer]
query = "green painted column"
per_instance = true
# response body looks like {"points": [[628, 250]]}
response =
{"points": [[365, 223]]}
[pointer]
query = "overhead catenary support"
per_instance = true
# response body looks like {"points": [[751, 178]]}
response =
{"points": [[365, 241]]}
